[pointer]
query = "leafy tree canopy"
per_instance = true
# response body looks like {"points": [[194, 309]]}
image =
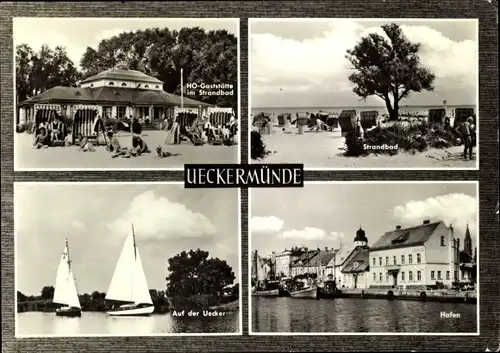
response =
{"points": [[193, 273], [389, 69], [47, 292]]}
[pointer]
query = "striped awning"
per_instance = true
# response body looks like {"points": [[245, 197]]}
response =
{"points": [[86, 106], [220, 110], [178, 110], [55, 107]]}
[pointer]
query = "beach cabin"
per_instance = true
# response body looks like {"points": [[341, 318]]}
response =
{"points": [[262, 123], [219, 116], [283, 117], [347, 121], [369, 119], [332, 121], [436, 116], [116, 93]]}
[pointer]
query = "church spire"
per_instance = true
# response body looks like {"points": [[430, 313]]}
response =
{"points": [[468, 241]]}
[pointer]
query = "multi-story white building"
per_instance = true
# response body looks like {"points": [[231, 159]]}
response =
{"points": [[344, 259], [284, 259], [424, 255]]}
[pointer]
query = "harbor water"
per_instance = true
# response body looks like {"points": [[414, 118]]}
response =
{"points": [[37, 323], [343, 315]]}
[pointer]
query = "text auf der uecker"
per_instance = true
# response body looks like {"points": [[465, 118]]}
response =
{"points": [[246, 175]]}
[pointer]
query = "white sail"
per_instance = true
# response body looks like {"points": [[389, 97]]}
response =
{"points": [[65, 291], [141, 289], [121, 286]]}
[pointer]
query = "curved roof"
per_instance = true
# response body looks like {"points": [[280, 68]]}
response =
{"points": [[121, 73], [360, 235]]}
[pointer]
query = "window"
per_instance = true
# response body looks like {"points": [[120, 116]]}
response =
{"points": [[402, 276], [442, 241], [439, 275], [120, 112], [402, 259], [387, 277], [447, 274], [432, 275], [111, 84], [374, 261], [380, 261], [394, 260], [463, 274], [124, 84], [374, 276], [146, 86], [410, 259], [380, 276], [387, 260], [419, 259], [419, 276], [91, 85], [157, 86], [106, 112], [410, 276]]}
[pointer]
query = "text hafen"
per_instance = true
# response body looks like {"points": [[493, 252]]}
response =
{"points": [[449, 315]]}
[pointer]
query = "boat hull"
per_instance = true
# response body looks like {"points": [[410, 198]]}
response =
{"points": [[132, 311], [266, 293], [311, 293], [72, 312]]}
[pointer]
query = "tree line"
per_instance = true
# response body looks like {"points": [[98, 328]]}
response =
{"points": [[208, 57], [195, 281]]}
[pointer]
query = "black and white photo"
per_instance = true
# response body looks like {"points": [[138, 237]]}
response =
{"points": [[126, 259], [125, 93], [364, 93], [365, 257]]}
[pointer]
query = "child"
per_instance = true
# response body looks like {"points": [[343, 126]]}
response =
{"points": [[42, 139], [84, 144]]}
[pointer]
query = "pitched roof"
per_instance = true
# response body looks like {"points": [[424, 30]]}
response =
{"points": [[315, 259], [111, 95], [359, 262], [402, 238], [305, 258], [119, 73]]}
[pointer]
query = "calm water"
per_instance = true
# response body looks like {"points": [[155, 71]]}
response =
{"points": [[382, 110], [284, 314], [96, 323]]}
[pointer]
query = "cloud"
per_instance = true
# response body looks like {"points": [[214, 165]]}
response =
{"points": [[317, 65], [158, 218], [270, 224], [309, 233], [79, 226], [456, 209]]}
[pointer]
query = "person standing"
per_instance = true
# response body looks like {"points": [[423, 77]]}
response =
{"points": [[465, 130], [136, 130]]}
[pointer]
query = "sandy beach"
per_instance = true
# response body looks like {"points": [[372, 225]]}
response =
{"points": [[321, 150], [26, 157]]}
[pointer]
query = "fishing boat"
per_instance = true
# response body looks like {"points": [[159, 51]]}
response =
{"points": [[65, 292], [309, 292], [129, 283], [266, 293]]}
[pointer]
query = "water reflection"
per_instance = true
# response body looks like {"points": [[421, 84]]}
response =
{"points": [[355, 315]]}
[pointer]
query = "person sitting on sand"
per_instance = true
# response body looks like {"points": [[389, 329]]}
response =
{"points": [[41, 139], [318, 126], [115, 147], [84, 144], [465, 131], [140, 148]]}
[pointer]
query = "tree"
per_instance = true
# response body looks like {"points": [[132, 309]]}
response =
{"points": [[39, 71], [208, 57], [388, 69], [47, 292], [193, 273]]}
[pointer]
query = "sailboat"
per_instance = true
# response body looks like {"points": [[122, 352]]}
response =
{"points": [[65, 292], [129, 283]]}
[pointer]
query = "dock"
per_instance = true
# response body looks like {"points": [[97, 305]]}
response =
{"points": [[425, 295]]}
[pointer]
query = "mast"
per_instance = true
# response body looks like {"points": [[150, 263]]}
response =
{"points": [[67, 249], [135, 246]]}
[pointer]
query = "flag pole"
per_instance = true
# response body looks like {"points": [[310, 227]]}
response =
{"points": [[182, 88]]}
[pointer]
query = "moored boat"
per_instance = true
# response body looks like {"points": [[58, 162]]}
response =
{"points": [[309, 292], [129, 283], [266, 293], [65, 291]]}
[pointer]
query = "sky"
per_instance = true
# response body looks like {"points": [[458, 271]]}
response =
{"points": [[96, 219], [328, 215], [301, 63], [76, 34]]}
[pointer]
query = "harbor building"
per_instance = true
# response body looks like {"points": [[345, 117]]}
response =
{"points": [[426, 255], [345, 260], [284, 259]]}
